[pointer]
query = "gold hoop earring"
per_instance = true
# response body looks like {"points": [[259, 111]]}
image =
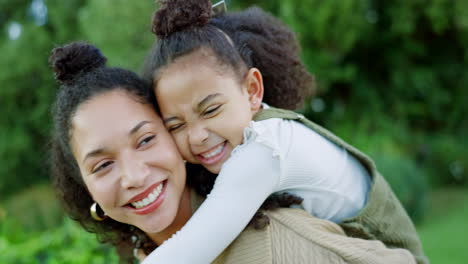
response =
{"points": [[97, 213]]}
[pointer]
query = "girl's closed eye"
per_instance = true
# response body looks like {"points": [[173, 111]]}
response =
{"points": [[175, 127], [212, 110]]}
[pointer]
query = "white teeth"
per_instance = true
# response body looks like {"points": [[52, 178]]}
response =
{"points": [[150, 198], [214, 152]]}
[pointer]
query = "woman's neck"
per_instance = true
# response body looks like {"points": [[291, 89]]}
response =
{"points": [[183, 215]]}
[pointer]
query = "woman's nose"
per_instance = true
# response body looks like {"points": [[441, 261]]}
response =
{"points": [[134, 172]]}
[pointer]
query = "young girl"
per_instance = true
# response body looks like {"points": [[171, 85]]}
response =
{"points": [[209, 75]]}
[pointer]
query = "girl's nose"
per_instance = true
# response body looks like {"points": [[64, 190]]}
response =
{"points": [[198, 135]]}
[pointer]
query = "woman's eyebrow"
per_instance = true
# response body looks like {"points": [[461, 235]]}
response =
{"points": [[93, 153], [137, 127]]}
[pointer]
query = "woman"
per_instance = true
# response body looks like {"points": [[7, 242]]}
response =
{"points": [[120, 175]]}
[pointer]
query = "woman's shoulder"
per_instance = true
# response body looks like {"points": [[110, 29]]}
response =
{"points": [[289, 238], [294, 236], [307, 239]]}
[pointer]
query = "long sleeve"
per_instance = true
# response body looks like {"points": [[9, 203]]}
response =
{"points": [[333, 184], [245, 181]]}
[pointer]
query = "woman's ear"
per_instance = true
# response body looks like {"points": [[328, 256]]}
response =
{"points": [[254, 85]]}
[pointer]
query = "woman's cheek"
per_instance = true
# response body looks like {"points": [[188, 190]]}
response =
{"points": [[104, 192]]}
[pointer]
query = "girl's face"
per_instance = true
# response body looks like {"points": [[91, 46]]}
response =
{"points": [[206, 109], [128, 160]]}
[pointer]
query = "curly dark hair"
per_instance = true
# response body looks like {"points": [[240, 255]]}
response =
{"points": [[240, 40], [80, 69]]}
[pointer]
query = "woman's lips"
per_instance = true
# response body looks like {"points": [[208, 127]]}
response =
{"points": [[144, 194], [214, 155], [153, 205]]}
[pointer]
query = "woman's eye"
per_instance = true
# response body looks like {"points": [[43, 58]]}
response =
{"points": [[146, 140], [102, 166], [211, 110]]}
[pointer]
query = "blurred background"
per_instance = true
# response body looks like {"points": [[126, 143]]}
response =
{"points": [[391, 80]]}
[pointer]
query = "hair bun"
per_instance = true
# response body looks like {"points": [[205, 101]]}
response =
{"points": [[72, 59], [176, 15]]}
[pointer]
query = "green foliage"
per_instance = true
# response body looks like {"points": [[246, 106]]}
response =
{"points": [[405, 176], [25, 96], [119, 28], [34, 209], [34, 229], [67, 243], [123, 30], [442, 233]]}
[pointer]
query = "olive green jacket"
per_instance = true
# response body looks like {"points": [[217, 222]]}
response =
{"points": [[383, 218]]}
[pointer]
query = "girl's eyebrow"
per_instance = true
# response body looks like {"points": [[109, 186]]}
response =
{"points": [[207, 100]]}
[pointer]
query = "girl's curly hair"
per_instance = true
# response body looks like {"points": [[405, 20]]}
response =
{"points": [[240, 40]]}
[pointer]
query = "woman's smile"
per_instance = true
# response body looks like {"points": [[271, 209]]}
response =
{"points": [[149, 200]]}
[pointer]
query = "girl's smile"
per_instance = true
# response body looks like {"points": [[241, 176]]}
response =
{"points": [[214, 154]]}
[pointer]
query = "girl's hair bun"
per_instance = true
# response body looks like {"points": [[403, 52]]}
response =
{"points": [[72, 59], [177, 15]]}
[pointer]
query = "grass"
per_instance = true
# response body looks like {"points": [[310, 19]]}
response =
{"points": [[444, 230]]}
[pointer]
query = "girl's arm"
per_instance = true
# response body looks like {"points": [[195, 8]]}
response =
{"points": [[245, 181]]}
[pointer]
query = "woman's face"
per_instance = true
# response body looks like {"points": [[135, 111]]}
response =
{"points": [[128, 160]]}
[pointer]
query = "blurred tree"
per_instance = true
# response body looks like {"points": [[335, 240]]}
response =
{"points": [[121, 29], [27, 88]]}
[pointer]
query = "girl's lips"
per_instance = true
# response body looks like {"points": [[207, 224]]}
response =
{"points": [[152, 206], [218, 157]]}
